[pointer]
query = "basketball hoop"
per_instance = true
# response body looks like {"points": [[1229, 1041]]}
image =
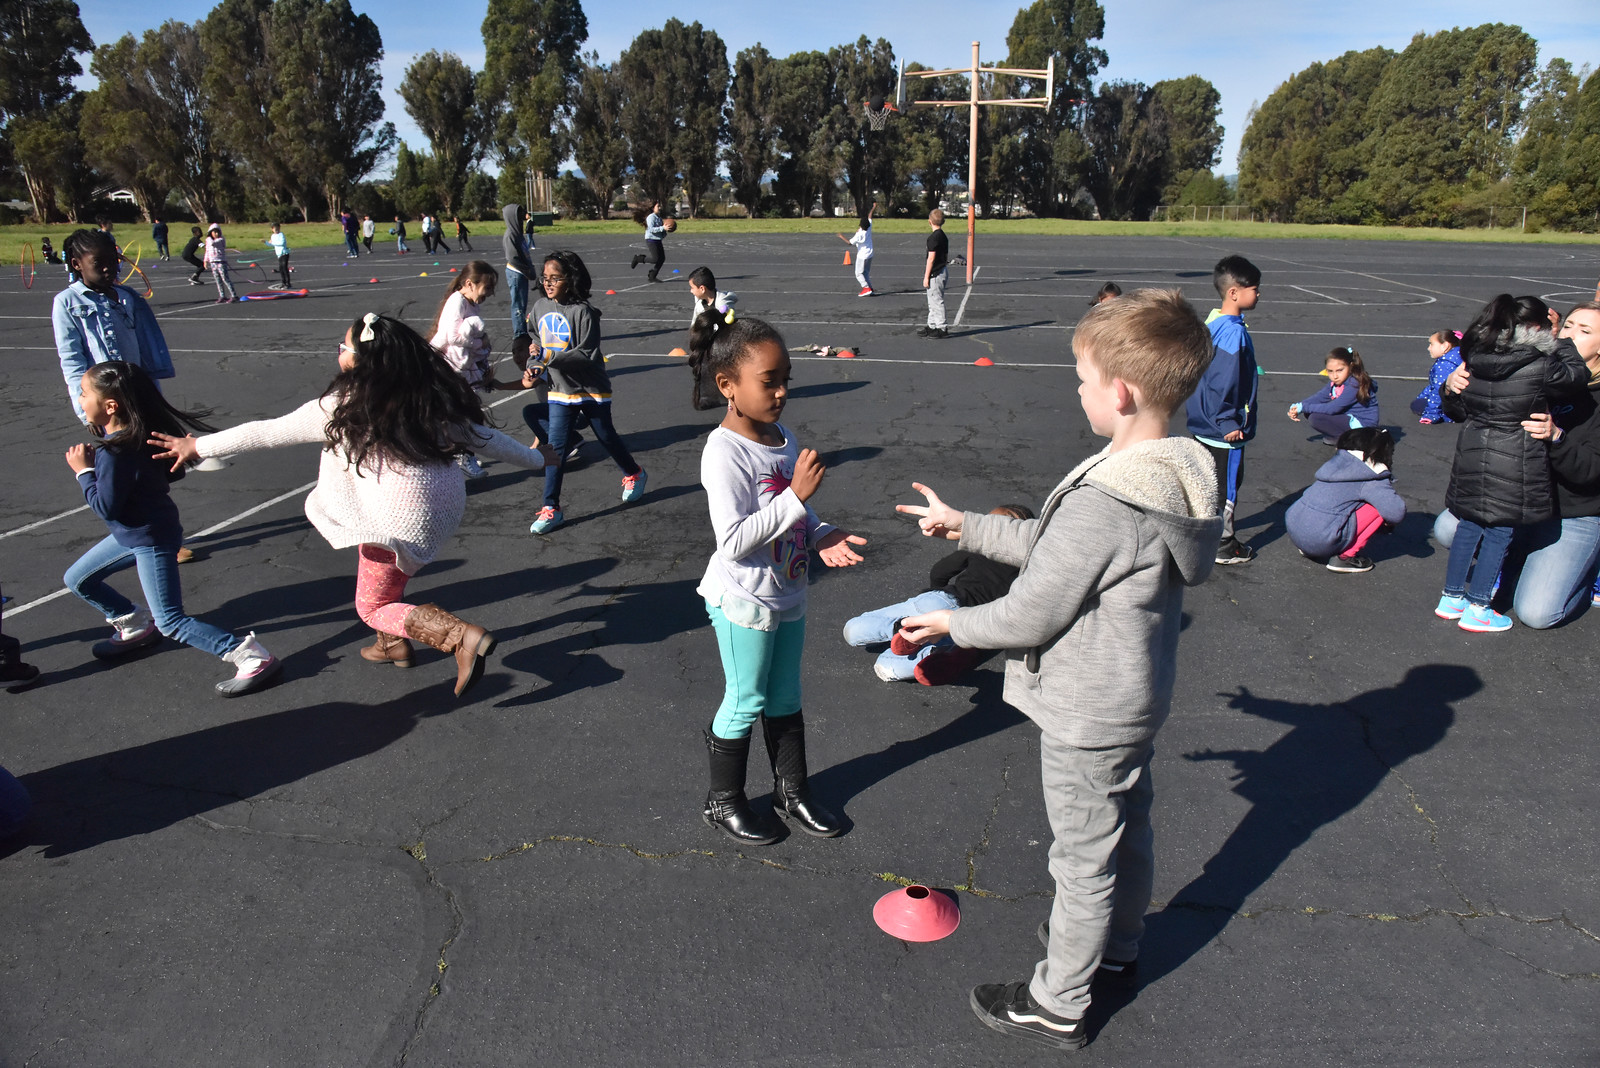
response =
{"points": [[878, 117]]}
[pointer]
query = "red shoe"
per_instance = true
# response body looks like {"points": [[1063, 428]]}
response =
{"points": [[866, 291], [901, 646], [944, 666]]}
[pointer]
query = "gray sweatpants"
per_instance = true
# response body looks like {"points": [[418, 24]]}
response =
{"points": [[936, 300], [1103, 861]]}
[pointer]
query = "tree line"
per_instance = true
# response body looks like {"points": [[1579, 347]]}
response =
{"points": [[1458, 123]]}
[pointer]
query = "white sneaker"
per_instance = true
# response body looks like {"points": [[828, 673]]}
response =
{"points": [[255, 667], [212, 463], [129, 633]]}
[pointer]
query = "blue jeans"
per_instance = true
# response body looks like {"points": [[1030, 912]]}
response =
{"points": [[1463, 578], [553, 423], [400, 244], [517, 287], [762, 673], [14, 803], [158, 575], [350, 244], [878, 626], [1550, 568]]}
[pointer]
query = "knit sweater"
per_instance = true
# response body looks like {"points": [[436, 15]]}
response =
{"points": [[409, 509]]}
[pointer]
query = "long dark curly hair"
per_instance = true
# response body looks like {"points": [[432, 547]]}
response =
{"points": [[399, 401]]}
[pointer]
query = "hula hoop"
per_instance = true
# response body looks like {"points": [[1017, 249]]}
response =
{"points": [[250, 270], [130, 264], [135, 249], [278, 294], [26, 266], [133, 269]]}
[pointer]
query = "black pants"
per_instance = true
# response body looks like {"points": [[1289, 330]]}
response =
{"points": [[658, 255], [283, 270], [465, 244], [367, 241], [438, 242], [189, 258], [427, 240]]}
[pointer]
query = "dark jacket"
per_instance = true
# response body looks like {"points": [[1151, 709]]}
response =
{"points": [[1323, 521], [970, 578], [1575, 459], [1347, 403], [128, 489], [1225, 399], [566, 338], [1501, 475], [513, 243]]}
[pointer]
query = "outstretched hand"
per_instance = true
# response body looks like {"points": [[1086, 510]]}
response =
{"points": [[938, 520], [179, 450], [834, 548]]}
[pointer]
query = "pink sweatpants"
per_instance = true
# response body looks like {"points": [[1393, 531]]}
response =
{"points": [[1368, 521], [379, 585]]}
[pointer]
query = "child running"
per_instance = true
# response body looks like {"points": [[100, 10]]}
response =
{"points": [[1349, 400], [126, 485], [758, 482], [391, 424], [567, 342], [1351, 500], [959, 580], [217, 261], [1091, 627], [462, 233], [862, 240], [459, 335], [1500, 478], [368, 230], [1444, 346], [280, 248]]}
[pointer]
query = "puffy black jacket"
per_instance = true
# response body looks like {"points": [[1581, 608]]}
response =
{"points": [[1501, 475], [1575, 459]]}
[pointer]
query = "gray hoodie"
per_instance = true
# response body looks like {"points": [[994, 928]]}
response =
{"points": [[515, 243], [1091, 622]]}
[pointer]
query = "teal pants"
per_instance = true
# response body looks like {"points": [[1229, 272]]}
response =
{"points": [[762, 669]]}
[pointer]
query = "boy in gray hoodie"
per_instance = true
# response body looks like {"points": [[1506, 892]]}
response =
{"points": [[518, 248], [1091, 628]]}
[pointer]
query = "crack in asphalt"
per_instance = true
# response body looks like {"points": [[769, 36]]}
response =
{"points": [[418, 851], [971, 885]]}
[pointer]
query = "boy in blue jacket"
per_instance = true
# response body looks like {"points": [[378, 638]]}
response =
{"points": [[1222, 411]]}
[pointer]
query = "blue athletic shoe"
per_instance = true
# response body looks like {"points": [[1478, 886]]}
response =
{"points": [[1481, 619], [547, 520], [633, 485], [1451, 607]]}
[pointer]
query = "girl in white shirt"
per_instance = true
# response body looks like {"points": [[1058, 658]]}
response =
{"points": [[862, 240]]}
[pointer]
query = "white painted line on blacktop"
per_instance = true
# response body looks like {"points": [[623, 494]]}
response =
{"points": [[963, 309], [44, 522], [1314, 293]]}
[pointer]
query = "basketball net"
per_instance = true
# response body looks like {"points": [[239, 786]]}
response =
{"points": [[877, 118]]}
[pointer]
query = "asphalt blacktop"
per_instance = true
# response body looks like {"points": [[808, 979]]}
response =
{"points": [[1376, 839]]}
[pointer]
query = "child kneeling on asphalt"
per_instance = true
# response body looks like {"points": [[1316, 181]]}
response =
{"points": [[1091, 631]]}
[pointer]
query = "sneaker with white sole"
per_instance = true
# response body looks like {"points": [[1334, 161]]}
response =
{"points": [[633, 485], [547, 520], [866, 291], [129, 634], [1481, 619], [254, 667], [212, 463], [1011, 1010], [469, 465], [1349, 565], [1451, 606]]}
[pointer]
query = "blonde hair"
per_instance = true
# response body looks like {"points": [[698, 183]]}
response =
{"points": [[1152, 339], [936, 216]]}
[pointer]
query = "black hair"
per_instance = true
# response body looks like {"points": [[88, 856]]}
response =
{"points": [[702, 276], [1106, 292], [866, 222], [399, 400], [195, 230], [140, 405], [578, 283], [1233, 271], [1499, 318], [1373, 442], [734, 342], [1447, 336], [85, 242], [1358, 371], [1018, 511]]}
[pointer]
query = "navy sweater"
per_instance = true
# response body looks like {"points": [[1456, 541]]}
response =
{"points": [[128, 489]]}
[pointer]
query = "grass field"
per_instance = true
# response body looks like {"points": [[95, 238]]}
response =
{"points": [[486, 232]]}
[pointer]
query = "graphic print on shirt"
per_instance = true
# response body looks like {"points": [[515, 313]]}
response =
{"points": [[789, 554], [555, 334]]}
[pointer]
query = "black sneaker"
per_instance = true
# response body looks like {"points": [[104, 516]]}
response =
{"points": [[924, 331], [938, 333], [1118, 974], [1234, 551], [1349, 565], [1011, 1010]]}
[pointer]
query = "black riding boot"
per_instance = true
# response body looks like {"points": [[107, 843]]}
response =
{"points": [[726, 806], [14, 674], [791, 795]]}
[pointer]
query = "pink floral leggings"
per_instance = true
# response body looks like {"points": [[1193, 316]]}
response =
{"points": [[379, 584]]}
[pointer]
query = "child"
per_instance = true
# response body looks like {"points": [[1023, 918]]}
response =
{"points": [[15, 676], [1109, 291], [189, 254], [427, 233], [97, 320], [158, 234], [399, 232], [519, 267], [707, 297], [459, 335], [1091, 627], [1445, 348], [280, 248], [568, 340], [862, 240], [462, 233], [217, 261], [959, 580], [758, 483], [655, 228], [126, 485], [1500, 478], [1349, 400], [48, 251], [347, 224], [934, 276], [1351, 500], [368, 230], [438, 234], [1221, 412], [391, 424]]}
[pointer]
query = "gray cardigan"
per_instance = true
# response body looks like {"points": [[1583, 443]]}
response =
{"points": [[1091, 622]]}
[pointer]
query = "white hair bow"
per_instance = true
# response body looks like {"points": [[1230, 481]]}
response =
{"points": [[366, 325]]}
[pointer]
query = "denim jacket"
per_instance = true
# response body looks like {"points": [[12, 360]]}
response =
{"points": [[93, 328]]}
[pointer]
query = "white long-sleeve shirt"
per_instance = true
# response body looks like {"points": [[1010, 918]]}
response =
{"points": [[462, 339], [862, 239]]}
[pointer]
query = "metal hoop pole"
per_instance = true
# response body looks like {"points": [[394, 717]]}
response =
{"points": [[972, 168]]}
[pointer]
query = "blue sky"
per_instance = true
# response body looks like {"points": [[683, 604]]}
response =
{"points": [[1246, 51]]}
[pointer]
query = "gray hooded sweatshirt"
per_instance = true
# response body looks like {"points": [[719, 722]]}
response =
{"points": [[514, 243], [1091, 622]]}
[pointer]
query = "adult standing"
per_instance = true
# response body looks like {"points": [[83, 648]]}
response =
{"points": [[655, 228], [1550, 568], [519, 268], [347, 222], [158, 234], [934, 276]]}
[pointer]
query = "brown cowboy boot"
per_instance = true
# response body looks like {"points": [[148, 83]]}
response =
{"points": [[388, 649], [432, 625]]}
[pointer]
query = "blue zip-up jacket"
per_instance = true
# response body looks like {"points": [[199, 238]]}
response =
{"points": [[1323, 521], [93, 328], [1432, 411], [128, 489], [1347, 401], [1225, 399], [654, 227]]}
